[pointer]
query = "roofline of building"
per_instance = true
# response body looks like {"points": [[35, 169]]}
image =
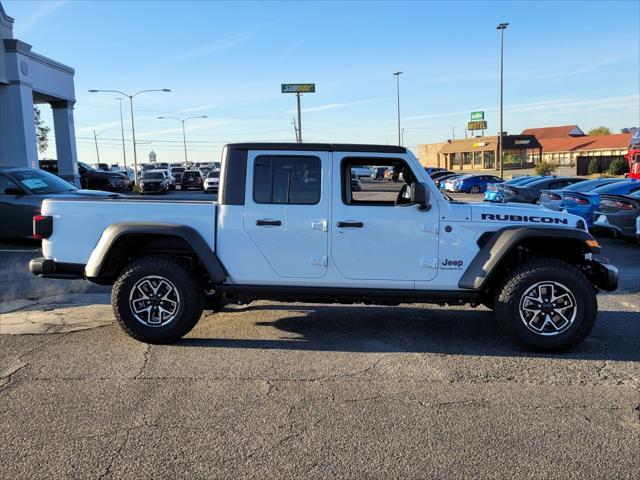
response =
{"points": [[5, 19]]}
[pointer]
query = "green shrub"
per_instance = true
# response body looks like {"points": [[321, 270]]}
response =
{"points": [[594, 166], [618, 167], [546, 168]]}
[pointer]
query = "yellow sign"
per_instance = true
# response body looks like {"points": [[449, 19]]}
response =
{"points": [[298, 87]]}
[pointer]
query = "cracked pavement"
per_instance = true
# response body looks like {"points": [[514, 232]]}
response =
{"points": [[270, 390]]}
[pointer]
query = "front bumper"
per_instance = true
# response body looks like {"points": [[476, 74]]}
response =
{"points": [[603, 275], [48, 268]]}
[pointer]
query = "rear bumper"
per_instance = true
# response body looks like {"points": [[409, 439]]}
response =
{"points": [[48, 268]]}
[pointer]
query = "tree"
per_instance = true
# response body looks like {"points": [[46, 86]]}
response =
{"points": [[594, 166], [599, 131], [546, 168], [42, 131], [618, 167]]}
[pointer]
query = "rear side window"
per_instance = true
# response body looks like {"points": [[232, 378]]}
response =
{"points": [[287, 179]]}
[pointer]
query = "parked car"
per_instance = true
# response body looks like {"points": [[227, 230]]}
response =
{"points": [[441, 173], [177, 173], [361, 170], [93, 179], [154, 181], [212, 181], [570, 200], [530, 192], [618, 215], [393, 174], [22, 191], [377, 173], [191, 179], [128, 172], [356, 184], [443, 178], [101, 166], [495, 191], [472, 183], [431, 170], [585, 204]]}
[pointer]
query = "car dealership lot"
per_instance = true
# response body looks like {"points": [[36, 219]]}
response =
{"points": [[275, 390]]}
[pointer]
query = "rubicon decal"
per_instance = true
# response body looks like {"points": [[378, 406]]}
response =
{"points": [[523, 218]]}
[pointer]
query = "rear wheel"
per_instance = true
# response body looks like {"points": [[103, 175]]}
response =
{"points": [[474, 189], [157, 299], [547, 304]]}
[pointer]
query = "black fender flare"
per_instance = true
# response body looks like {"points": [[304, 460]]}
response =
{"points": [[504, 240], [116, 232]]}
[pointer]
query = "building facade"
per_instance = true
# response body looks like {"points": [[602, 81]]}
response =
{"points": [[27, 78]]}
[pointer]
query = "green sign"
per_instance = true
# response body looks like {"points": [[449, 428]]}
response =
{"points": [[298, 88], [481, 125], [475, 116]]}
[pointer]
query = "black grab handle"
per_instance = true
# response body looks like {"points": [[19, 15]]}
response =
{"points": [[350, 224], [264, 223]]}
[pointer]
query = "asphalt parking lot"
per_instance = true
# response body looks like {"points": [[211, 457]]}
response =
{"points": [[271, 390]]}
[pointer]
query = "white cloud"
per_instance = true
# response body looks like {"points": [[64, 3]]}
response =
{"points": [[47, 8], [205, 50], [201, 107], [331, 106]]}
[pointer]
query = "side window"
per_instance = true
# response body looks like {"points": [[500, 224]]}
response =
{"points": [[557, 185], [6, 183], [293, 180], [373, 181]]}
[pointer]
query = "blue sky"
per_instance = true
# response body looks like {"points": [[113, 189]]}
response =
{"points": [[565, 63]]}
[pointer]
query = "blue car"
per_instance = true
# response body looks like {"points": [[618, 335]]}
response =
{"points": [[495, 191], [584, 203], [474, 183]]}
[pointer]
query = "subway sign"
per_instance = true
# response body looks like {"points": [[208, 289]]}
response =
{"points": [[480, 125], [298, 88]]}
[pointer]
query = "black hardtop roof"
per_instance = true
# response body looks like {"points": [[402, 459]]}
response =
{"points": [[327, 147]]}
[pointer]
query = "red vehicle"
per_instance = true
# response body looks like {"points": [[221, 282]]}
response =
{"points": [[633, 157]]}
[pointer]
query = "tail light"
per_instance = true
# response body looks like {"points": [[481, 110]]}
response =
{"points": [[551, 196], [42, 226], [575, 200], [617, 204]]}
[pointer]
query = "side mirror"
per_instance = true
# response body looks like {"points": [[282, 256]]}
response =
{"points": [[14, 191], [420, 195]]}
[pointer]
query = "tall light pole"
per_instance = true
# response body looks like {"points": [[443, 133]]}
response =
{"points": [[397, 74], [502, 27], [402, 136], [133, 128], [184, 136], [124, 150]]}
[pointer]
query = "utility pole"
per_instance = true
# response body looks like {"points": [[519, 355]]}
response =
{"points": [[397, 74], [295, 127], [95, 139], [453, 131], [299, 118], [124, 150], [184, 135], [502, 27]]}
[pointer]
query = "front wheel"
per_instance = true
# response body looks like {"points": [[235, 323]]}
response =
{"points": [[547, 304], [157, 299], [475, 189]]}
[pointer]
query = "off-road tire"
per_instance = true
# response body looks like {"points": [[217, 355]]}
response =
{"points": [[182, 278], [509, 297]]}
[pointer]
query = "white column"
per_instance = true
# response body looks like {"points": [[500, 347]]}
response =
{"points": [[18, 144], [65, 141]]}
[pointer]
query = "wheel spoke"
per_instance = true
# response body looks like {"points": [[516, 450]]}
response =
{"points": [[154, 301], [548, 308]]}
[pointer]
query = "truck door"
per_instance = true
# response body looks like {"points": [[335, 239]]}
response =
{"points": [[287, 208], [373, 238]]}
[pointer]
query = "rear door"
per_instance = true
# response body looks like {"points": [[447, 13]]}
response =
{"points": [[287, 209]]}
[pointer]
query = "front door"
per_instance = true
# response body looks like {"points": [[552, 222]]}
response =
{"points": [[376, 234], [286, 210]]}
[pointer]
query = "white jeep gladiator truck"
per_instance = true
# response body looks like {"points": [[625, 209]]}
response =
{"points": [[288, 226]]}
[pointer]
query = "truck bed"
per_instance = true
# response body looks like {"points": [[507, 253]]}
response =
{"points": [[78, 224]]}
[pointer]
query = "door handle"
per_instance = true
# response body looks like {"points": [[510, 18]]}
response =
{"points": [[268, 223], [350, 224]]}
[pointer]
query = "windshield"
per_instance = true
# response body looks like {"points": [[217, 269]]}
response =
{"points": [[177, 169], [613, 186], [214, 174], [86, 166], [191, 174], [39, 181], [153, 176]]}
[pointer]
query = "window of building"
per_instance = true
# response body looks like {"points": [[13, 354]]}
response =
{"points": [[287, 179], [489, 159]]}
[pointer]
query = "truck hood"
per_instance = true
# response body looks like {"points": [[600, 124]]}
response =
{"points": [[525, 214]]}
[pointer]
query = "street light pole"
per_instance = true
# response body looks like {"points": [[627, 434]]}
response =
{"points": [[397, 74], [124, 150], [184, 136], [133, 128], [299, 118], [502, 27], [95, 139]]}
